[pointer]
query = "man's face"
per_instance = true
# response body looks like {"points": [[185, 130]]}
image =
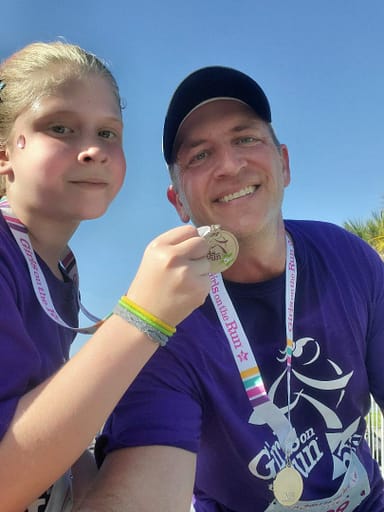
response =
{"points": [[228, 169]]}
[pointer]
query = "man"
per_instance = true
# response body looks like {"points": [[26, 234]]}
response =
{"points": [[299, 314]]}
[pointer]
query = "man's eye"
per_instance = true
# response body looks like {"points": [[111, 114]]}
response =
{"points": [[199, 157], [247, 140]]}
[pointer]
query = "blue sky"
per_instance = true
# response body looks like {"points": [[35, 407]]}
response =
{"points": [[319, 62]]}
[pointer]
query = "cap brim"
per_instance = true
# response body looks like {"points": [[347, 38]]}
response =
{"points": [[208, 84]]}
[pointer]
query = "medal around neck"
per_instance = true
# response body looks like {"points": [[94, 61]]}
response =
{"points": [[223, 247], [288, 486]]}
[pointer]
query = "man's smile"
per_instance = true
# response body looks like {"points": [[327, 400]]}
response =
{"points": [[236, 195]]}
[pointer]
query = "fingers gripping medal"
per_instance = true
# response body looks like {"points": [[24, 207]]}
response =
{"points": [[223, 247], [288, 486]]}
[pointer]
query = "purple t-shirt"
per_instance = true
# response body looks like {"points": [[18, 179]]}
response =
{"points": [[33, 346], [190, 394]]}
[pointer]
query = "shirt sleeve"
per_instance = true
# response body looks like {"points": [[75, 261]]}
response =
{"points": [[161, 407], [33, 347], [15, 351], [375, 335]]}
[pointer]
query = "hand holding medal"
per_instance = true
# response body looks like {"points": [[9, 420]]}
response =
{"points": [[223, 247]]}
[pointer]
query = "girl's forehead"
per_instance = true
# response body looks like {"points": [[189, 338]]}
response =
{"points": [[62, 82], [78, 93]]}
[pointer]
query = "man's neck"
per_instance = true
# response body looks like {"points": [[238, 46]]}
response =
{"points": [[261, 259]]}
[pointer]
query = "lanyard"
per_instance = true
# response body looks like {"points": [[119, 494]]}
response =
{"points": [[264, 410], [68, 262]]}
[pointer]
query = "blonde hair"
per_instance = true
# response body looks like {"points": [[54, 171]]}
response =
{"points": [[37, 70]]}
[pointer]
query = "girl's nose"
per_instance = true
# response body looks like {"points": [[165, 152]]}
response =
{"points": [[92, 154]]}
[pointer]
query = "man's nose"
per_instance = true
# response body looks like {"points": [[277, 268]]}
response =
{"points": [[229, 161]]}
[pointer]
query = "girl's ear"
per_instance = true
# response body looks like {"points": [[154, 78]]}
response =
{"points": [[5, 170], [174, 199], [5, 164]]}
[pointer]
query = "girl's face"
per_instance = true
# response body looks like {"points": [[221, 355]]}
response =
{"points": [[65, 159]]}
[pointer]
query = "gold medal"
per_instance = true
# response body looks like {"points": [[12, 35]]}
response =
{"points": [[223, 247], [288, 486]]}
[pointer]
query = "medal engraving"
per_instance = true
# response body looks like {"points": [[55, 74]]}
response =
{"points": [[223, 247], [288, 486]]}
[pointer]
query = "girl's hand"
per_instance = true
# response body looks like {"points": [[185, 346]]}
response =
{"points": [[172, 279]]}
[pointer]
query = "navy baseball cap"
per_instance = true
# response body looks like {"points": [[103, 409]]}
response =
{"points": [[213, 82]]}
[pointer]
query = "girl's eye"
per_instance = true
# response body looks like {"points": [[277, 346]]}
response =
{"points": [[60, 129], [107, 134]]}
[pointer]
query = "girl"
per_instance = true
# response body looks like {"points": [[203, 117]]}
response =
{"points": [[61, 161]]}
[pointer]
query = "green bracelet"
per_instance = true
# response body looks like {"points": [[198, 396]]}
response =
{"points": [[142, 324]]}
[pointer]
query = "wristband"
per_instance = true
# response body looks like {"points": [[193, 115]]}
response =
{"points": [[144, 321], [153, 320]]}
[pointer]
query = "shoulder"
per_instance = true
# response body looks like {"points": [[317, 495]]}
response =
{"points": [[316, 229], [329, 237], [329, 250], [11, 261], [5, 234]]}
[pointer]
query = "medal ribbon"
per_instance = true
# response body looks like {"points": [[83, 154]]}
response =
{"points": [[68, 262], [264, 410]]}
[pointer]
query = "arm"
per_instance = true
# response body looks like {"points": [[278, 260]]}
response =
{"points": [[84, 471], [54, 422], [143, 479]]}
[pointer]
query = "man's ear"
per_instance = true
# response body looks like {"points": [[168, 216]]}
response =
{"points": [[174, 199], [286, 167]]}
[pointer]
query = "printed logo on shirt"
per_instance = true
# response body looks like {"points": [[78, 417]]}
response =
{"points": [[306, 451], [41, 503], [57, 498]]}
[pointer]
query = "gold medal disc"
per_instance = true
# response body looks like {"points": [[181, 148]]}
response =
{"points": [[288, 486], [223, 247]]}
